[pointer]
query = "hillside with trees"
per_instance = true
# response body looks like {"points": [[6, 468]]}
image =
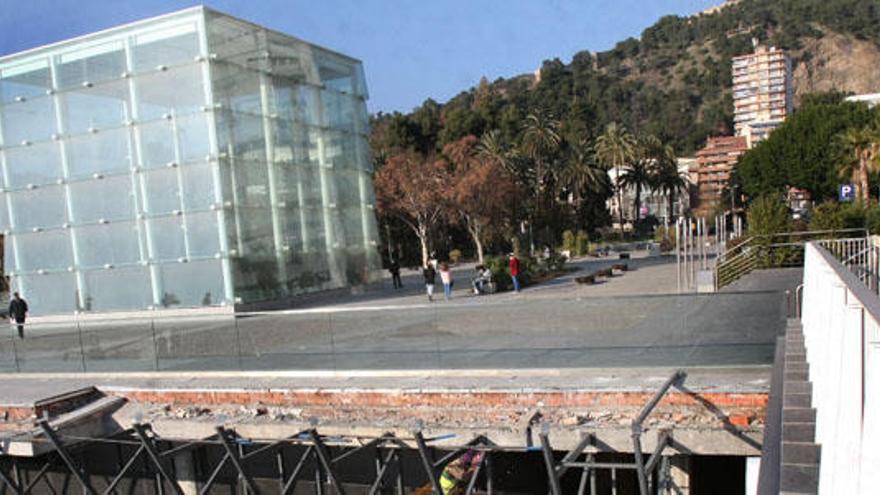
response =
{"points": [[668, 90]]}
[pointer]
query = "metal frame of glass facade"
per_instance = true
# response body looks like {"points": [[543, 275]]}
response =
{"points": [[192, 159]]}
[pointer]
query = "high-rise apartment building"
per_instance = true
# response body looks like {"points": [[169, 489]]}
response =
{"points": [[762, 92], [715, 163]]}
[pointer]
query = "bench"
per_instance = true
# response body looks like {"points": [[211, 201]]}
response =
{"points": [[605, 272], [586, 279]]}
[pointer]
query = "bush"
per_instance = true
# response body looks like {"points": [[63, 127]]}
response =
{"points": [[853, 215], [826, 216], [831, 215], [455, 256], [768, 215], [872, 219], [581, 243], [665, 237], [555, 263], [500, 268], [568, 242]]}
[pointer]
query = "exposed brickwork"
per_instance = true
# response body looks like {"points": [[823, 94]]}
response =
{"points": [[439, 398], [458, 408]]}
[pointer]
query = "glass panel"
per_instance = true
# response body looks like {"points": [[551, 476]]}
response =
{"points": [[115, 243], [36, 164], [25, 80], [256, 231], [192, 134], [119, 288], [287, 183], [50, 293], [234, 40], [347, 189], [198, 186], [197, 283], [242, 135], [353, 226], [168, 238], [103, 153], [31, 120], [157, 143], [338, 110], [163, 193], [203, 343], [169, 46], [291, 141], [102, 106], [315, 228], [237, 88], [309, 105], [271, 341], [43, 207], [287, 58], [49, 347], [253, 184], [91, 65], [334, 72], [4, 222], [49, 250], [117, 345], [110, 199], [179, 91], [293, 234], [203, 234]]}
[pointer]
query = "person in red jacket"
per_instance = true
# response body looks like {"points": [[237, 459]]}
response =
{"points": [[514, 271]]}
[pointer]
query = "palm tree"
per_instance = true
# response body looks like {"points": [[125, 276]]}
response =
{"points": [[861, 148], [639, 173], [540, 146], [614, 149], [667, 179], [540, 142], [492, 148], [582, 173]]}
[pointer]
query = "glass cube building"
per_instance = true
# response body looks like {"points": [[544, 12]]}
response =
{"points": [[192, 159]]}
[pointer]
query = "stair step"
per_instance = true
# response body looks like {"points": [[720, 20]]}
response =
{"points": [[800, 376], [798, 478], [798, 432], [797, 400], [798, 387], [799, 414], [800, 453]]}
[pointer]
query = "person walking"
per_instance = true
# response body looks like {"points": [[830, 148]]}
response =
{"points": [[446, 278], [514, 272], [18, 309], [394, 268], [430, 275]]}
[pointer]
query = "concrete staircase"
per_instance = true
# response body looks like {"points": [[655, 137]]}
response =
{"points": [[800, 455]]}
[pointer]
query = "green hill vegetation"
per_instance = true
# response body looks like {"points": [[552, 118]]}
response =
{"points": [[641, 103], [674, 82]]}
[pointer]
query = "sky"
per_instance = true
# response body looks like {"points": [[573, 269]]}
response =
{"points": [[411, 49]]}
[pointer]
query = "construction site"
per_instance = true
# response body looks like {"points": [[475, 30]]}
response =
{"points": [[624, 385]]}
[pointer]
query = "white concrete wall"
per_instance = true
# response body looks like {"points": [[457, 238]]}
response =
{"points": [[841, 322]]}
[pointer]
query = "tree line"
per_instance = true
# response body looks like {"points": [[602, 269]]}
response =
{"points": [[502, 194]]}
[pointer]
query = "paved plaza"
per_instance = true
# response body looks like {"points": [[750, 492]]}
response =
{"points": [[635, 319]]}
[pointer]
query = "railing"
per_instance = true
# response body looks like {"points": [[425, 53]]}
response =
{"points": [[781, 250], [860, 256], [481, 332], [841, 324]]}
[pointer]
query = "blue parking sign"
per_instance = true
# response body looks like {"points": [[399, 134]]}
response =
{"points": [[846, 192]]}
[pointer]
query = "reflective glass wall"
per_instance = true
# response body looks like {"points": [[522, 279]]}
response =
{"points": [[292, 133], [187, 160]]}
